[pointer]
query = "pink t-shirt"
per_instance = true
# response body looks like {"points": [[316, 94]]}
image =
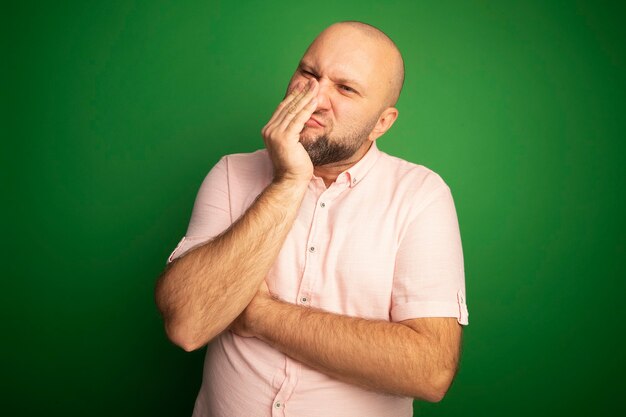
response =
{"points": [[382, 242]]}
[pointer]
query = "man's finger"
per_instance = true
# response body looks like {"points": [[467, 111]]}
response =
{"points": [[297, 106], [292, 107], [297, 123], [288, 99], [293, 95]]}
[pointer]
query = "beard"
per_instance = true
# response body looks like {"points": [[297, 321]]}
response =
{"points": [[324, 149]]}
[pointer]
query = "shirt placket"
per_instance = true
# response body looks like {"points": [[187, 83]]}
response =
{"points": [[292, 371], [292, 368], [317, 242], [306, 294]]}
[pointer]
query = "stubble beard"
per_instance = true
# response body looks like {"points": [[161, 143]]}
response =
{"points": [[324, 149]]}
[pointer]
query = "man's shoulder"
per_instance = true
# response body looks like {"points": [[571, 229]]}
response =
{"points": [[410, 174], [258, 157], [257, 163], [243, 176]]}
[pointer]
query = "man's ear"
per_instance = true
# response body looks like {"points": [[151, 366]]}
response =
{"points": [[385, 121]]}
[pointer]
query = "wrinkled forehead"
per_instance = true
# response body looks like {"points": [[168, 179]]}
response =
{"points": [[348, 55]]}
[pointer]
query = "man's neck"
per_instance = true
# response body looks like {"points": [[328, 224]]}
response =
{"points": [[330, 172]]}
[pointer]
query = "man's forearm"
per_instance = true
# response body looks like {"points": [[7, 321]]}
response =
{"points": [[201, 293], [373, 354]]}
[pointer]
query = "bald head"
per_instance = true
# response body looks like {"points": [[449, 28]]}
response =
{"points": [[384, 53]]}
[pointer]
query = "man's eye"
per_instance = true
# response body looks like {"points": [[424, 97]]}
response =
{"points": [[346, 88]]}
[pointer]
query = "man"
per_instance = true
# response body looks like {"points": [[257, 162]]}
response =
{"points": [[326, 275]]}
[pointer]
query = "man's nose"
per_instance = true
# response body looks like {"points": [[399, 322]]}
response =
{"points": [[323, 94]]}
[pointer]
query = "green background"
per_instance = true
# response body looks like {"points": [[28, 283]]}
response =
{"points": [[115, 111]]}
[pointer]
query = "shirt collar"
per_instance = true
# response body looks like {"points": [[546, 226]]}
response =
{"points": [[359, 170]]}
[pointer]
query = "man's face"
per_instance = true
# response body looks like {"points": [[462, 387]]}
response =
{"points": [[350, 95]]}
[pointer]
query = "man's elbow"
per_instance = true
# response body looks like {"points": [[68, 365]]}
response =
{"points": [[189, 337], [177, 329], [434, 396], [437, 387], [183, 339]]}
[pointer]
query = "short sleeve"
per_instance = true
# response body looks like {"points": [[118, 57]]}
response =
{"points": [[429, 277], [211, 213]]}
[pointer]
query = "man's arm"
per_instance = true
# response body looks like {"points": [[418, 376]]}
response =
{"points": [[416, 358], [201, 293]]}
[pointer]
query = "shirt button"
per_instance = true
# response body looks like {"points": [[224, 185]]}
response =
{"points": [[312, 249], [322, 205], [277, 404], [303, 299]]}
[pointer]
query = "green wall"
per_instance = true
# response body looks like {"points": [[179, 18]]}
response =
{"points": [[115, 111]]}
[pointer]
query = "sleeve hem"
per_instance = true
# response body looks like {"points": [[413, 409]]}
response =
{"points": [[431, 309], [186, 244]]}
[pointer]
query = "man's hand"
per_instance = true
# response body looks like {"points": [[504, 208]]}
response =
{"points": [[282, 133]]}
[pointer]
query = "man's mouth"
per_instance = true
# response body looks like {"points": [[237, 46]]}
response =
{"points": [[313, 122]]}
